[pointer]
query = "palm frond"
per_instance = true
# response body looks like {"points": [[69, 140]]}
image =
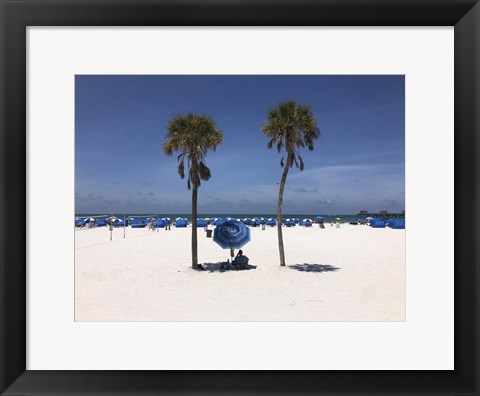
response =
{"points": [[181, 169], [204, 172], [302, 165], [279, 146], [295, 160]]}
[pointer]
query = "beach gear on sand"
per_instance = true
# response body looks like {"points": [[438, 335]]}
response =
{"points": [[101, 222], [202, 223], [306, 222], [397, 224], [271, 222], [181, 222], [377, 223], [217, 221], [80, 222], [160, 223], [231, 235]]}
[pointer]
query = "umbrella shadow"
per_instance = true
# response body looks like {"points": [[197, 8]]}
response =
{"points": [[313, 267], [223, 267]]}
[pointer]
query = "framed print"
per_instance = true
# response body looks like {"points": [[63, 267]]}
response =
{"points": [[171, 286]]}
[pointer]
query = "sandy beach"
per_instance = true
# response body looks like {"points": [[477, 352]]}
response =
{"points": [[355, 273]]}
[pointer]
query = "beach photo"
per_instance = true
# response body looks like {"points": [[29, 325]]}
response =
{"points": [[256, 198]]}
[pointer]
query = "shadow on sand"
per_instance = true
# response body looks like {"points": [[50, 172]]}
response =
{"points": [[313, 267], [217, 267]]}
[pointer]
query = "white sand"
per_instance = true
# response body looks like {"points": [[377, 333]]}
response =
{"points": [[146, 277]]}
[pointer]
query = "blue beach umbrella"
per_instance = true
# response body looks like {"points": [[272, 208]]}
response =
{"points": [[101, 222], [231, 235], [397, 224], [118, 223], [271, 222], [377, 223], [181, 223], [201, 223], [220, 221], [160, 223], [80, 222]]}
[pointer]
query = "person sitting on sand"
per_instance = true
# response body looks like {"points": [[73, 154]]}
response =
{"points": [[240, 259]]}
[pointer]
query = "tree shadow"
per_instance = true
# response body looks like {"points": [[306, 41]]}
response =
{"points": [[313, 267], [223, 267]]}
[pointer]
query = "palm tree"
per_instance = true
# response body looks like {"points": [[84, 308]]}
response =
{"points": [[192, 135], [290, 126]]}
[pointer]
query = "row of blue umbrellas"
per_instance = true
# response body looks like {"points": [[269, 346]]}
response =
{"points": [[100, 221], [183, 222], [256, 221], [268, 221], [382, 223], [233, 234]]}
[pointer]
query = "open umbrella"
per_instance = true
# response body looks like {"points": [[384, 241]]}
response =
{"points": [[231, 235], [338, 218], [271, 222]]}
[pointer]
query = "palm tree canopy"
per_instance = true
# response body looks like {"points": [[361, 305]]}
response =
{"points": [[291, 126], [192, 135]]}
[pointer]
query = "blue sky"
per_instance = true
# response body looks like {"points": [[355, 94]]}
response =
{"points": [[120, 126]]}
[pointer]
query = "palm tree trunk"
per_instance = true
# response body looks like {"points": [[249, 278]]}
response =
{"points": [[279, 212], [194, 228]]}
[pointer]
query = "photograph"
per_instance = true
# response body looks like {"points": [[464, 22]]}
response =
{"points": [[249, 198], [239, 172]]}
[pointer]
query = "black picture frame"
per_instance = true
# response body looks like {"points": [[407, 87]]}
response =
{"points": [[17, 15]]}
